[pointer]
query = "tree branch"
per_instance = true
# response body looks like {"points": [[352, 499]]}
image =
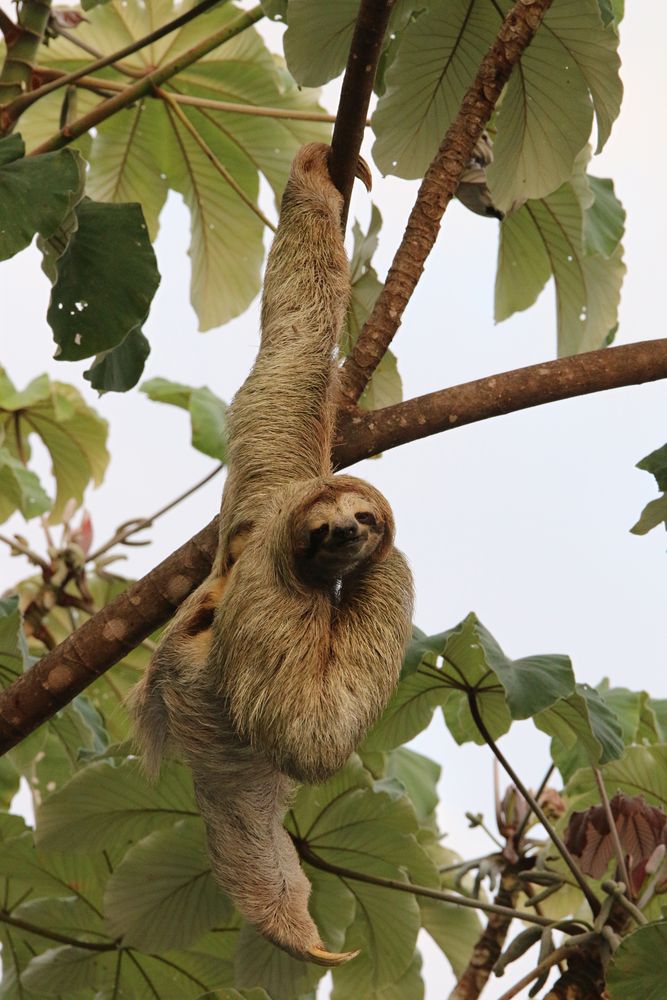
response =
{"points": [[106, 637], [560, 954], [364, 433], [436, 191], [355, 95]]}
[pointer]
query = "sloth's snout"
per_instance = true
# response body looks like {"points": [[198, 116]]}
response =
{"points": [[344, 531]]}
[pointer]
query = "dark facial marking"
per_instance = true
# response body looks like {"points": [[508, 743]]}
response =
{"points": [[200, 620], [365, 517]]}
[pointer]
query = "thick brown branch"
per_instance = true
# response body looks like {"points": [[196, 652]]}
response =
{"points": [[63, 673], [367, 433], [437, 190], [348, 133]]}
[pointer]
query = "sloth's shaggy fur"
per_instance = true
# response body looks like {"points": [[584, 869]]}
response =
{"points": [[274, 669]]}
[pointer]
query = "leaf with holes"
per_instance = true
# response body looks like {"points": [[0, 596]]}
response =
{"points": [[104, 281], [148, 150]]}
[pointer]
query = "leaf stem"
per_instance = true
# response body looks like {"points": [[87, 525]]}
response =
{"points": [[130, 528], [18, 106], [148, 83], [108, 87], [538, 794], [613, 830], [24, 925], [208, 152], [590, 896]]}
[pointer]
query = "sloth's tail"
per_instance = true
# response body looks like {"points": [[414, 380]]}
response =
{"points": [[243, 800]]}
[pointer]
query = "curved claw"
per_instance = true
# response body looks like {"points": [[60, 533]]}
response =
{"points": [[363, 172], [320, 956]]}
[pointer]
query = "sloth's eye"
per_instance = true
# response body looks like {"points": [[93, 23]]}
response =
{"points": [[365, 517]]}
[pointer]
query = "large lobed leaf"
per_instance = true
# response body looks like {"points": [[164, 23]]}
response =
{"points": [[144, 151], [572, 235], [72, 432], [569, 70]]}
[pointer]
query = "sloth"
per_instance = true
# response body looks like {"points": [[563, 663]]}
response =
{"points": [[275, 668]]}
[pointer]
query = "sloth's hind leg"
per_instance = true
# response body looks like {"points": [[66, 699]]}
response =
{"points": [[243, 801]]}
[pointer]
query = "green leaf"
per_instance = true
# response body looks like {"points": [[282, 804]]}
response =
{"points": [[36, 193], [89, 313], [385, 929], [144, 152], [656, 464], [419, 776], [317, 40], [546, 238], [546, 112], [20, 489], [653, 514], [104, 803], [64, 970], [604, 221], [547, 107], [584, 721], [259, 963], [409, 711], [640, 771], [209, 429], [74, 435], [162, 895], [385, 387], [13, 650], [161, 390], [207, 413], [232, 994], [121, 368], [634, 973], [454, 929]]}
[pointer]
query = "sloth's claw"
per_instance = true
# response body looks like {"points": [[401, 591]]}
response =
{"points": [[320, 956]]}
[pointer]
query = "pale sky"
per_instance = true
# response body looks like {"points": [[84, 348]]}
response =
{"points": [[523, 519]]}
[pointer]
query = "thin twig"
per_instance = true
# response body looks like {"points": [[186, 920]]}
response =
{"points": [[18, 106], [73, 39], [613, 830], [132, 527], [208, 152], [559, 955], [590, 896], [14, 543]]}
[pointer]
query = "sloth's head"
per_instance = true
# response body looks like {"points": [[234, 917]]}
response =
{"points": [[343, 523], [310, 179]]}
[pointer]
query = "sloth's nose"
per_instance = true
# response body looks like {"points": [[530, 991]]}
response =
{"points": [[344, 531]]}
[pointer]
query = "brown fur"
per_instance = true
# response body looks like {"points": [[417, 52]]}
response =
{"points": [[275, 668]]}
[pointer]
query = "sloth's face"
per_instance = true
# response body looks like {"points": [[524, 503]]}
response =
{"points": [[338, 535]]}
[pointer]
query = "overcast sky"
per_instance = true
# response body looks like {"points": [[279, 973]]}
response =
{"points": [[523, 519]]}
